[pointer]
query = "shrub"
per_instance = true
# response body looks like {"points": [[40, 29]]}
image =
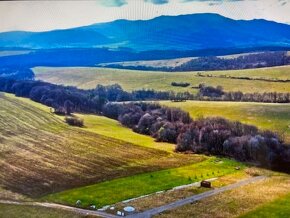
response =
{"points": [[181, 84], [74, 121]]}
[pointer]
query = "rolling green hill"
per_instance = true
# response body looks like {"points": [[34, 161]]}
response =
{"points": [[40, 154], [275, 117], [86, 78]]}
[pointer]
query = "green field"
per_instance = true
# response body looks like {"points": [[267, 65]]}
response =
{"points": [[40, 154], [240, 201], [129, 187], [275, 117], [45, 159], [279, 208], [20, 211], [112, 128], [89, 77]]}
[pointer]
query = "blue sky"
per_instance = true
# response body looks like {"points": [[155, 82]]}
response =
{"points": [[48, 15]]}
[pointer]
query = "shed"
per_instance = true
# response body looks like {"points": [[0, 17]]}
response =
{"points": [[205, 184]]}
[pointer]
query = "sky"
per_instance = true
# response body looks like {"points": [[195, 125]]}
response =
{"points": [[48, 15]]}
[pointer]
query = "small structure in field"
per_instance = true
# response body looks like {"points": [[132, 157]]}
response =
{"points": [[129, 209], [205, 184]]}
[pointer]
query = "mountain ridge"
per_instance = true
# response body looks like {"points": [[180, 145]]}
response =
{"points": [[182, 32]]}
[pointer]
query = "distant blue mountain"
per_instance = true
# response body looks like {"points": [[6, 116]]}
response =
{"points": [[184, 32]]}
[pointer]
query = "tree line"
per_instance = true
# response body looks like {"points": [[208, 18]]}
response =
{"points": [[247, 61], [211, 136], [243, 78], [67, 98], [216, 136], [210, 93], [16, 73]]}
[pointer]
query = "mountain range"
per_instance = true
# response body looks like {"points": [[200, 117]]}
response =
{"points": [[181, 33]]}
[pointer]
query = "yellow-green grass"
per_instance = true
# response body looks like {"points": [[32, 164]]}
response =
{"points": [[112, 128], [117, 190], [275, 117], [279, 208], [238, 201], [40, 154], [282, 72], [163, 198], [89, 77], [21, 211]]}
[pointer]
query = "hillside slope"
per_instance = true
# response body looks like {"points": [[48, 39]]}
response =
{"points": [[40, 154], [89, 77]]}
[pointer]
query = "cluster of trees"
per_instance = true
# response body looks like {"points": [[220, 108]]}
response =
{"points": [[162, 123], [242, 142], [255, 60], [216, 136], [62, 99], [17, 73], [181, 84], [210, 91], [267, 97], [74, 121]]}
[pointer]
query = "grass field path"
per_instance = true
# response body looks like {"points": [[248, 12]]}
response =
{"points": [[145, 214], [179, 203]]}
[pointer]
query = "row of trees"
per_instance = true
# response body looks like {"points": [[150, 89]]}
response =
{"points": [[209, 93], [67, 99], [243, 78], [267, 97], [211, 135], [216, 136]]}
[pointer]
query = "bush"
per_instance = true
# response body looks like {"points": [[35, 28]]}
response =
{"points": [[181, 84], [74, 121]]}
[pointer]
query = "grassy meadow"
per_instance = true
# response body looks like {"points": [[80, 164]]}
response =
{"points": [[45, 159], [275, 117], [40, 154], [117, 190], [113, 129], [89, 77], [266, 198], [279, 208]]}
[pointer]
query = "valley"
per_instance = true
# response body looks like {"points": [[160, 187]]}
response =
{"points": [[145, 109]]}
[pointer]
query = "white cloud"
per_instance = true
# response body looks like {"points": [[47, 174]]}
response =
{"points": [[48, 15], [113, 3]]}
